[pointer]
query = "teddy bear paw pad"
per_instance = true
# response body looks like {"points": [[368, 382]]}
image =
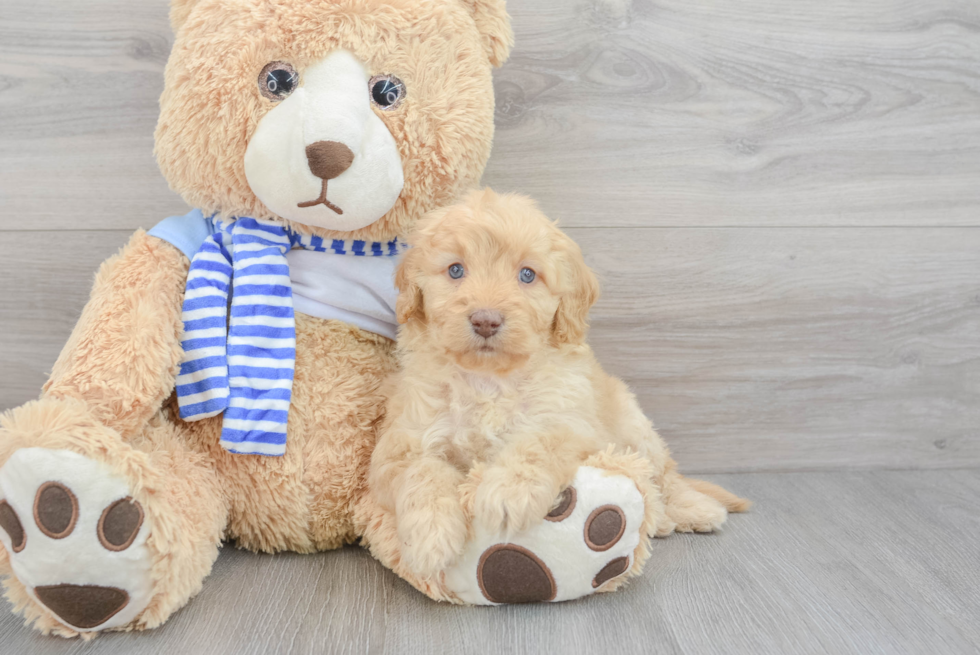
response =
{"points": [[76, 538], [586, 540]]}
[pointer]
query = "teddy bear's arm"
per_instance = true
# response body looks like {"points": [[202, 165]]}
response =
{"points": [[123, 354]]}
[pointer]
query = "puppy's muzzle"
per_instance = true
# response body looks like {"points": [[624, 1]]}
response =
{"points": [[486, 322]]}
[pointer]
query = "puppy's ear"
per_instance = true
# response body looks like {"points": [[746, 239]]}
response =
{"points": [[580, 290], [410, 303]]}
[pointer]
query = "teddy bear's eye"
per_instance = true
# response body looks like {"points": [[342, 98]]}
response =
{"points": [[456, 271], [277, 80], [387, 91], [526, 275]]}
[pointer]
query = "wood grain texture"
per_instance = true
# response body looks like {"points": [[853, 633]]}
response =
{"points": [[760, 112], [870, 562], [615, 112], [79, 84], [795, 348], [751, 349]]}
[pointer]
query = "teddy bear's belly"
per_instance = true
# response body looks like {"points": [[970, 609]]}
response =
{"points": [[304, 500], [337, 390]]}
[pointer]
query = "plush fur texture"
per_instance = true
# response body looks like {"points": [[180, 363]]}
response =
{"points": [[518, 410], [121, 355], [110, 394], [440, 49]]}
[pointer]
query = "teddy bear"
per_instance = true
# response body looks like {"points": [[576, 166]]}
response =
{"points": [[224, 380]]}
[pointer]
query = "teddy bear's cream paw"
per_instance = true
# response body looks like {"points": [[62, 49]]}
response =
{"points": [[75, 537], [587, 539]]}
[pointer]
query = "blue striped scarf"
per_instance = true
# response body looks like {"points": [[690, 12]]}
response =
{"points": [[242, 364]]}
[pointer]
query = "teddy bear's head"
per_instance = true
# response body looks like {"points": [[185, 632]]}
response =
{"points": [[348, 117]]}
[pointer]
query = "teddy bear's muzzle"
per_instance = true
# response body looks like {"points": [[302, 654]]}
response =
{"points": [[326, 131]]}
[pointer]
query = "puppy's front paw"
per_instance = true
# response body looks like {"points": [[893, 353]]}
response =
{"points": [[508, 501], [431, 540]]}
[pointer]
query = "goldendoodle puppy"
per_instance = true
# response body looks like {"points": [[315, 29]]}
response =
{"points": [[497, 380]]}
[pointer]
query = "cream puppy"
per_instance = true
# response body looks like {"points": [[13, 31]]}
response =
{"points": [[498, 385]]}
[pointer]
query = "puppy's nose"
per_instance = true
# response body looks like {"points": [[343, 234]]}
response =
{"points": [[328, 159], [486, 322]]}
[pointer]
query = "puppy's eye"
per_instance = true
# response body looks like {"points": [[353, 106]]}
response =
{"points": [[456, 271], [526, 276], [277, 80], [387, 91]]}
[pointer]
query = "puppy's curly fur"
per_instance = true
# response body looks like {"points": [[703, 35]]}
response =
{"points": [[498, 384]]}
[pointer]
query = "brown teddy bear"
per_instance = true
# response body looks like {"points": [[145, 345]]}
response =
{"points": [[309, 135], [113, 507]]}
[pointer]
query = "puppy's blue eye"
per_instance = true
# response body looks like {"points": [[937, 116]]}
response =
{"points": [[456, 271], [526, 276]]}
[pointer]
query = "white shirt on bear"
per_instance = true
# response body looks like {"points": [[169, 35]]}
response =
{"points": [[357, 290]]}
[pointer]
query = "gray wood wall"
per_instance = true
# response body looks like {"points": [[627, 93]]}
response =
{"points": [[781, 198]]}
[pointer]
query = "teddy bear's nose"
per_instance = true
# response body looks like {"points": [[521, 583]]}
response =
{"points": [[328, 159]]}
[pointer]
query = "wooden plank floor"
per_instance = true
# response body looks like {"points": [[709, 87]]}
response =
{"points": [[858, 562]]}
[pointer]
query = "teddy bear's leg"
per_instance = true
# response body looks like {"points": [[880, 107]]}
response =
{"points": [[99, 533], [122, 355], [594, 538]]}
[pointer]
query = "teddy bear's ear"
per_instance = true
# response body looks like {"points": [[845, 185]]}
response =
{"points": [[179, 11], [494, 24]]}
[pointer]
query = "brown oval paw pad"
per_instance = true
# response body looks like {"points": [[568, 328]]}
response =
{"points": [[563, 505], [119, 524], [10, 523], [604, 527], [55, 510], [611, 570], [512, 574], [83, 606]]}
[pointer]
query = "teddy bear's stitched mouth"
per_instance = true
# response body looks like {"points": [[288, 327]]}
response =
{"points": [[322, 200]]}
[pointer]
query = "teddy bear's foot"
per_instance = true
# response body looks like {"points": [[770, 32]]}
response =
{"points": [[587, 540], [76, 538], [99, 533]]}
